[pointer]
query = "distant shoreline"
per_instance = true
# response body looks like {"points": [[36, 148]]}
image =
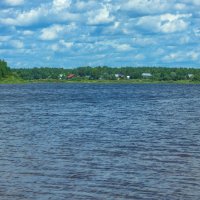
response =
{"points": [[14, 80]]}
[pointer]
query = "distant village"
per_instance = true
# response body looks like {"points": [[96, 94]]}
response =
{"points": [[119, 76], [109, 73]]}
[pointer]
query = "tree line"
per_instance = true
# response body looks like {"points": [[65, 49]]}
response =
{"points": [[4, 69], [109, 73]]}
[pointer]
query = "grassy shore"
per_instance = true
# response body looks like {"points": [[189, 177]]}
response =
{"points": [[16, 80], [12, 80]]}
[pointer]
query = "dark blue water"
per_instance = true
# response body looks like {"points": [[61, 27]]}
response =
{"points": [[87, 141]]}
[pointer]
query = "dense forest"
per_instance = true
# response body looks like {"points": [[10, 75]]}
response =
{"points": [[110, 73], [4, 69]]}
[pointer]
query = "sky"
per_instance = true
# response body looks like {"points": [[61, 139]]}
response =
{"points": [[73, 33]]}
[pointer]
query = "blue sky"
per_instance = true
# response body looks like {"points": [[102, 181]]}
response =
{"points": [[72, 33]]}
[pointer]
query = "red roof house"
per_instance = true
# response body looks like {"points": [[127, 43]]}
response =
{"points": [[70, 76]]}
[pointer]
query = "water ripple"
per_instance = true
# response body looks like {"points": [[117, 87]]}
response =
{"points": [[90, 141]]}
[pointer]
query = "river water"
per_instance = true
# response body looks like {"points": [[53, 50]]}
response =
{"points": [[99, 141]]}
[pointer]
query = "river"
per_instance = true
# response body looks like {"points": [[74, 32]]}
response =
{"points": [[99, 141]]}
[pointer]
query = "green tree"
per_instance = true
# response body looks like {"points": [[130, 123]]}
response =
{"points": [[4, 69]]}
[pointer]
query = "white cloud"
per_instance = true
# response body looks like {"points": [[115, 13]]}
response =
{"points": [[43, 13], [180, 6], [145, 6], [193, 55], [14, 2], [80, 5], [65, 16], [172, 56], [70, 27], [26, 18], [27, 32], [112, 27], [51, 33], [158, 52], [181, 56], [173, 26], [48, 58], [105, 45], [61, 46], [115, 27], [17, 44], [101, 16], [139, 57], [55, 47], [184, 39], [122, 47], [196, 32], [68, 45], [4, 38], [143, 41], [195, 2], [166, 23], [84, 5], [61, 4], [56, 30]]}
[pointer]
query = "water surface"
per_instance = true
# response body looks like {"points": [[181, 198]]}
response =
{"points": [[96, 141]]}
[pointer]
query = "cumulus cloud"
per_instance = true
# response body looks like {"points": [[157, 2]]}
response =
{"points": [[181, 56], [114, 28], [61, 46], [45, 13], [131, 30], [166, 23], [27, 32], [67, 45], [84, 5], [61, 4], [25, 18], [145, 6], [101, 16], [116, 45], [122, 47], [14, 2], [54, 31], [51, 33], [143, 41]]}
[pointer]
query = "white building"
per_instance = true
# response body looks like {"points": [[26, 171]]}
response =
{"points": [[190, 75], [146, 75]]}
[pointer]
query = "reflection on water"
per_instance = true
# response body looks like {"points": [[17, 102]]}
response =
{"points": [[87, 141]]}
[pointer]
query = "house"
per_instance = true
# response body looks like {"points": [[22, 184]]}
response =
{"points": [[118, 76], [70, 76], [128, 77], [61, 76], [190, 75], [146, 75]]}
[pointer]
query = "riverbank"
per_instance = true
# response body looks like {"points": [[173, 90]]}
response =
{"points": [[17, 80]]}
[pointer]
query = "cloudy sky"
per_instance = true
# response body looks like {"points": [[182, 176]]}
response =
{"points": [[71, 33]]}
